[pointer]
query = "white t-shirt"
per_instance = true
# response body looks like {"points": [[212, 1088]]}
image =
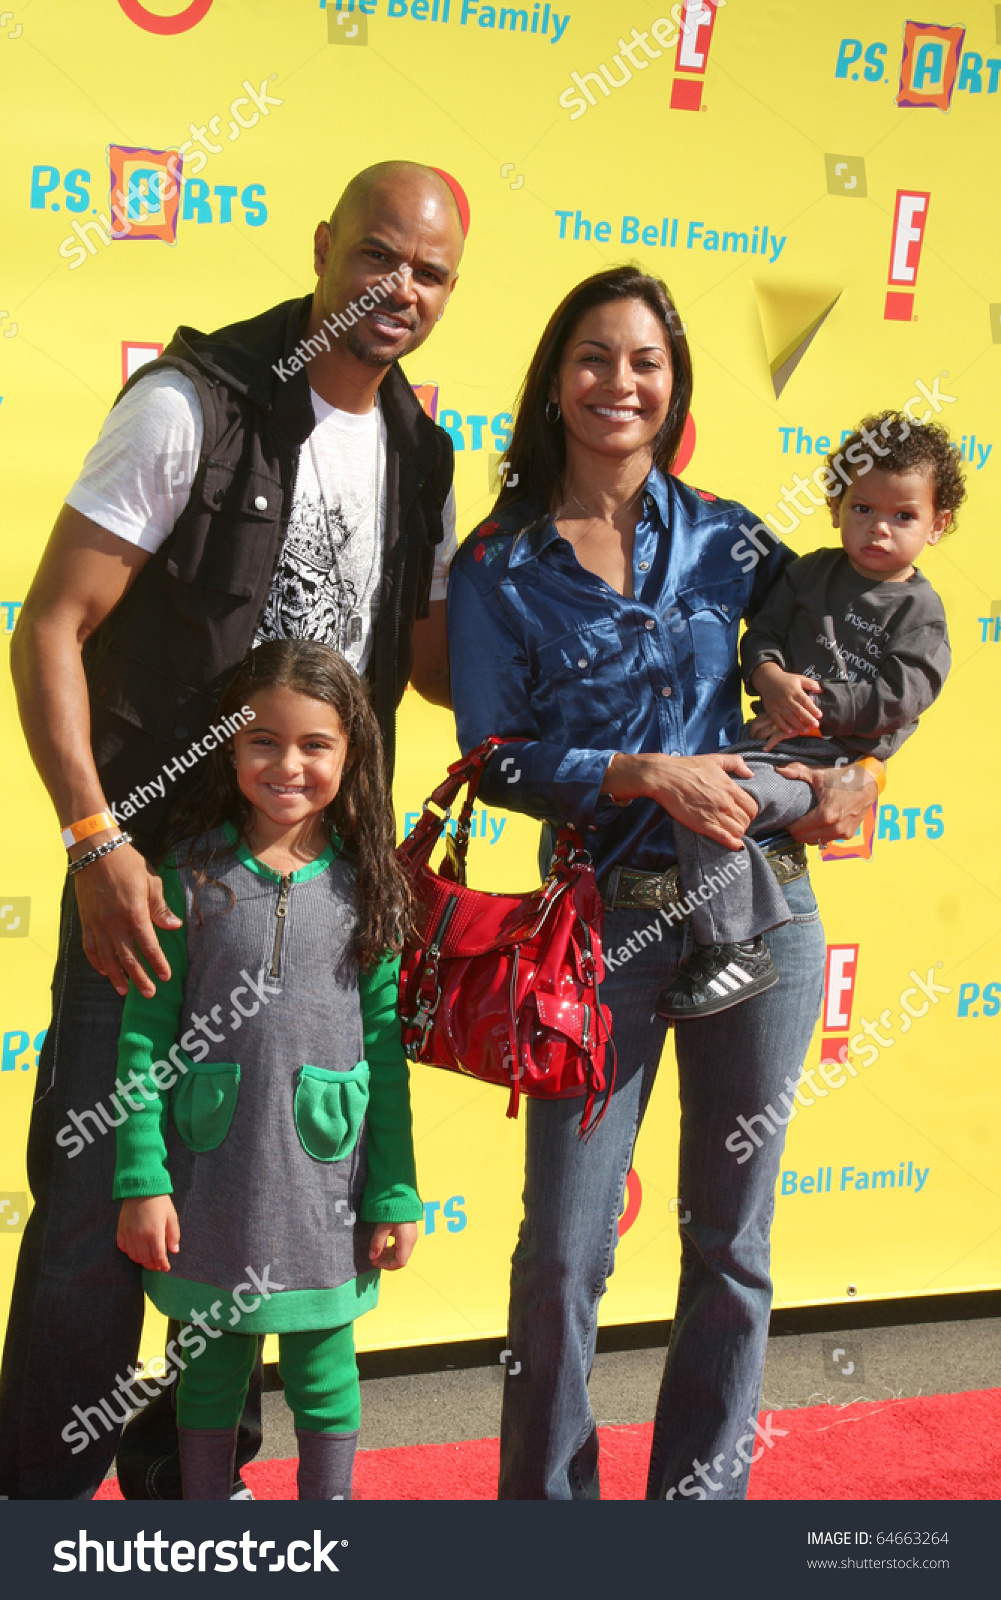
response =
{"points": [[136, 481]]}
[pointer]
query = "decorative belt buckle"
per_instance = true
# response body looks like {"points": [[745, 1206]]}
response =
{"points": [[646, 892], [788, 865]]}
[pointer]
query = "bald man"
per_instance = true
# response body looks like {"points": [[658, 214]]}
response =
{"points": [[275, 479]]}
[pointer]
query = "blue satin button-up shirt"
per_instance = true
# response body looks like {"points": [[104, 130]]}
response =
{"points": [[543, 650]]}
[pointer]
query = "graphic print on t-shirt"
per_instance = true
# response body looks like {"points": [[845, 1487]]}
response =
{"points": [[314, 595], [328, 579]]}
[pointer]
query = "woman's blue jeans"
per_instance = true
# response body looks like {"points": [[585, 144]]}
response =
{"points": [[733, 1064]]}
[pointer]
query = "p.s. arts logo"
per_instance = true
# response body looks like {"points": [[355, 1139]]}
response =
{"points": [[858, 847], [933, 65], [929, 64], [145, 192], [888, 823]]}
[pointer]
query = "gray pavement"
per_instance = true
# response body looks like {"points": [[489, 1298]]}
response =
{"points": [[801, 1369]]}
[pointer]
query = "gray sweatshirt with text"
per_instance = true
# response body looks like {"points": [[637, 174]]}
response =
{"points": [[880, 649]]}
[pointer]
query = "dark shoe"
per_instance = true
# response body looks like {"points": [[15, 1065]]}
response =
{"points": [[717, 976]]}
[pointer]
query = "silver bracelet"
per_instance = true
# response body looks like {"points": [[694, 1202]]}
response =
{"points": [[95, 855]]}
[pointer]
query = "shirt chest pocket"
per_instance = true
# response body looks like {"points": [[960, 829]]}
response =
{"points": [[712, 612], [580, 676], [227, 533]]}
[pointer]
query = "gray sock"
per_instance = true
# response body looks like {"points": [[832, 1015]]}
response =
{"points": [[326, 1461], [208, 1457]]}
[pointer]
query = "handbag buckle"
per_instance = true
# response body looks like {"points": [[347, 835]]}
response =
{"points": [[428, 1001], [446, 814], [429, 989]]}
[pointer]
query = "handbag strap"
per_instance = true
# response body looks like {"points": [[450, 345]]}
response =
{"points": [[417, 847], [468, 770]]}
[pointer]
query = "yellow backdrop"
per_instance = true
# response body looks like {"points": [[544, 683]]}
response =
{"points": [[814, 184]]}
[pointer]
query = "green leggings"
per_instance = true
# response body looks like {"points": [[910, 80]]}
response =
{"points": [[318, 1369]]}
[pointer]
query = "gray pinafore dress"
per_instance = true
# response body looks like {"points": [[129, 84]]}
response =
{"points": [[266, 1130]]}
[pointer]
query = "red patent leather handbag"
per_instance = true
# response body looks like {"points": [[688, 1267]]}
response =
{"points": [[505, 987]]}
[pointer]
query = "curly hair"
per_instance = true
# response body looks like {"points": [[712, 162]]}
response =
{"points": [[907, 446], [360, 813], [537, 455]]}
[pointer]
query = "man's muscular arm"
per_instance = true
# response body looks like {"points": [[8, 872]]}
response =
{"points": [[84, 572]]}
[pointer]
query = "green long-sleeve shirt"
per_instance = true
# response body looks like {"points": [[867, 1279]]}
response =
{"points": [[150, 1055]]}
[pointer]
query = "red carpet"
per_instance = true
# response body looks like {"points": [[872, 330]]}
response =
{"points": [[936, 1447]]}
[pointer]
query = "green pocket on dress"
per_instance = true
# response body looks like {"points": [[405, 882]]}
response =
{"points": [[329, 1109], [203, 1103]]}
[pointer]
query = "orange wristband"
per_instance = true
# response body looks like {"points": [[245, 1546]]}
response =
{"points": [[875, 770], [77, 832]]}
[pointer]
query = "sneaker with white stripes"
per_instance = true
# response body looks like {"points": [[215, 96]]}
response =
{"points": [[717, 976]]}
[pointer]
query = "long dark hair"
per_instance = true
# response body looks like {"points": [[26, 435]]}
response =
{"points": [[360, 811], [537, 453]]}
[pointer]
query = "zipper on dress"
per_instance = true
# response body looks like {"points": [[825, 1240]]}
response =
{"points": [[281, 912]]}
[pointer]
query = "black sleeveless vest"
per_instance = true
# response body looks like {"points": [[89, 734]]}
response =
{"points": [[158, 662]]}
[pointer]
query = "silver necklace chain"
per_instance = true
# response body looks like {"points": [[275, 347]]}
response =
{"points": [[625, 507]]}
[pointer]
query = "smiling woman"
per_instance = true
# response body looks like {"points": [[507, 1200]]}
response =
{"points": [[602, 633]]}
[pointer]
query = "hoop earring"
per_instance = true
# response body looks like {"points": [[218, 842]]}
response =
{"points": [[553, 420]]}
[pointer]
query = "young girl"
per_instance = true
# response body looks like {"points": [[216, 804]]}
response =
{"points": [[264, 1200]]}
